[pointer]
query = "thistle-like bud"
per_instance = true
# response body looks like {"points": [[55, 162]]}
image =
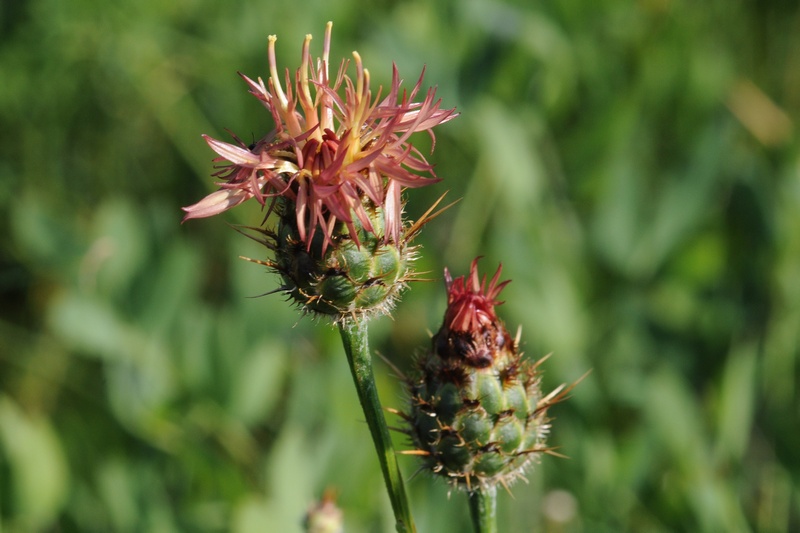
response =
{"points": [[477, 415]]}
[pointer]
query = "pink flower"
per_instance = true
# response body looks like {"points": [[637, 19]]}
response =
{"points": [[470, 303], [342, 147]]}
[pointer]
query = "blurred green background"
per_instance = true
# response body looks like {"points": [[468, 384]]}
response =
{"points": [[633, 164]]}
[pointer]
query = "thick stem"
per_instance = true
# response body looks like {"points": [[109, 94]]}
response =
{"points": [[356, 345], [483, 509]]}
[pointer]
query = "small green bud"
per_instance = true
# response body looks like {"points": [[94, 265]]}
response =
{"points": [[324, 516]]}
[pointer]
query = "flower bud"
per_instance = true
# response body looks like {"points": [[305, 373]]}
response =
{"points": [[324, 516], [477, 415]]}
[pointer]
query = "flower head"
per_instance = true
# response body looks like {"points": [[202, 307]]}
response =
{"points": [[335, 146]]}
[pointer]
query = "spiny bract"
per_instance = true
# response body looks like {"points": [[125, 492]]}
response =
{"points": [[344, 275], [356, 274]]}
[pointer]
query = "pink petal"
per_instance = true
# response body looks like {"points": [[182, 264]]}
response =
{"points": [[234, 154], [216, 202]]}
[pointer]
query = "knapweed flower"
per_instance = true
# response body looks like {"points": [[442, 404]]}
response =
{"points": [[335, 166], [477, 415]]}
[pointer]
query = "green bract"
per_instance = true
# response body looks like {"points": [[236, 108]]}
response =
{"points": [[353, 275], [476, 425]]}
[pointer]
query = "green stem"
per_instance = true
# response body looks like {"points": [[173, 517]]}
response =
{"points": [[483, 509], [356, 345]]}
